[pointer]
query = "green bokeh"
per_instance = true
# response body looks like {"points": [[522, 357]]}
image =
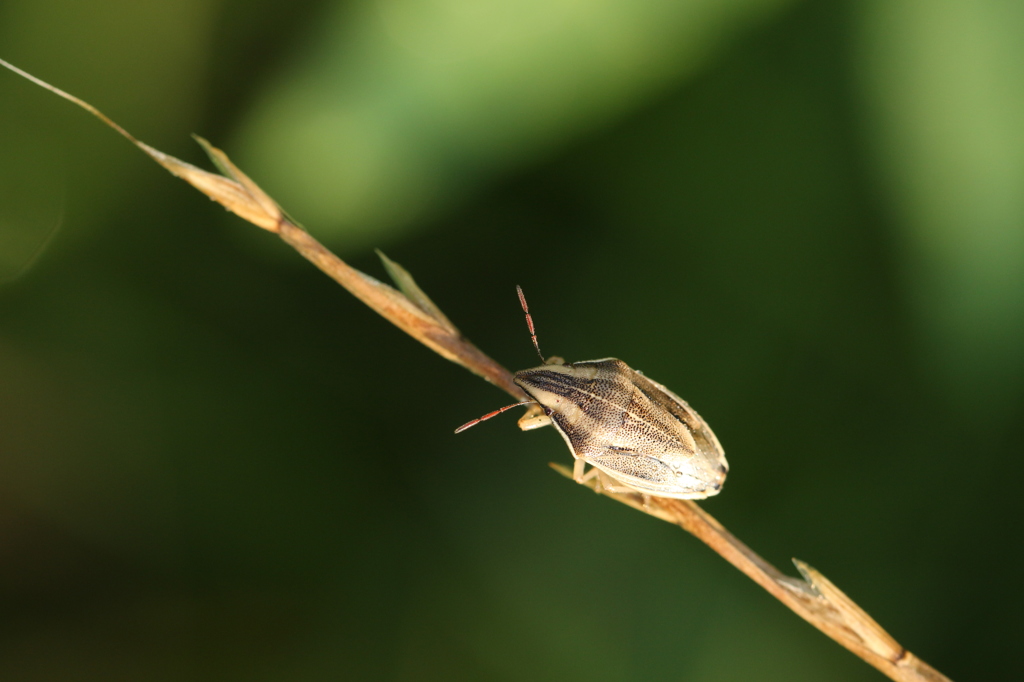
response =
{"points": [[803, 217]]}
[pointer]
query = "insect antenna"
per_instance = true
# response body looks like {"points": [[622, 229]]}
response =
{"points": [[529, 322], [492, 414]]}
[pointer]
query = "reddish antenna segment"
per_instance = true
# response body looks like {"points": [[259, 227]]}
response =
{"points": [[491, 414], [529, 322], [533, 337]]}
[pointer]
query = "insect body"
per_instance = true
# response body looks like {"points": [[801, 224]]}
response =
{"points": [[629, 428], [633, 429]]}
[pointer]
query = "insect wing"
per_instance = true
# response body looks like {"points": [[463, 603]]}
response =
{"points": [[705, 441], [674, 453], [649, 475]]}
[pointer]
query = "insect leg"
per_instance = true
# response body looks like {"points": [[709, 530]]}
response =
{"points": [[578, 471], [605, 483], [534, 418]]}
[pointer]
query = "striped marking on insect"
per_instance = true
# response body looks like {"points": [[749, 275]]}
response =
{"points": [[636, 434]]}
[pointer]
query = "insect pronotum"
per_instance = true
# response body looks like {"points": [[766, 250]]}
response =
{"points": [[635, 433]]}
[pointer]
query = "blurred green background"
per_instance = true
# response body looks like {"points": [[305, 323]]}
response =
{"points": [[807, 218]]}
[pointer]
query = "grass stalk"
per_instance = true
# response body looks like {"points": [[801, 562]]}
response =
{"points": [[811, 596]]}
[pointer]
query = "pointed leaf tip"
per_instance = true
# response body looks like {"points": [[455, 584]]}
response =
{"points": [[407, 285]]}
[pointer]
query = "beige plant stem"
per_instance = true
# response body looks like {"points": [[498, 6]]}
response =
{"points": [[812, 597]]}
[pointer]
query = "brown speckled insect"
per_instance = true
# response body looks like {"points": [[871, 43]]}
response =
{"points": [[638, 435]]}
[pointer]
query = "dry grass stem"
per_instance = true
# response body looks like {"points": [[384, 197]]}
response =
{"points": [[813, 597], [409, 309]]}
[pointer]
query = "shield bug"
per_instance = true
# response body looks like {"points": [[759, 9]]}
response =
{"points": [[636, 434]]}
